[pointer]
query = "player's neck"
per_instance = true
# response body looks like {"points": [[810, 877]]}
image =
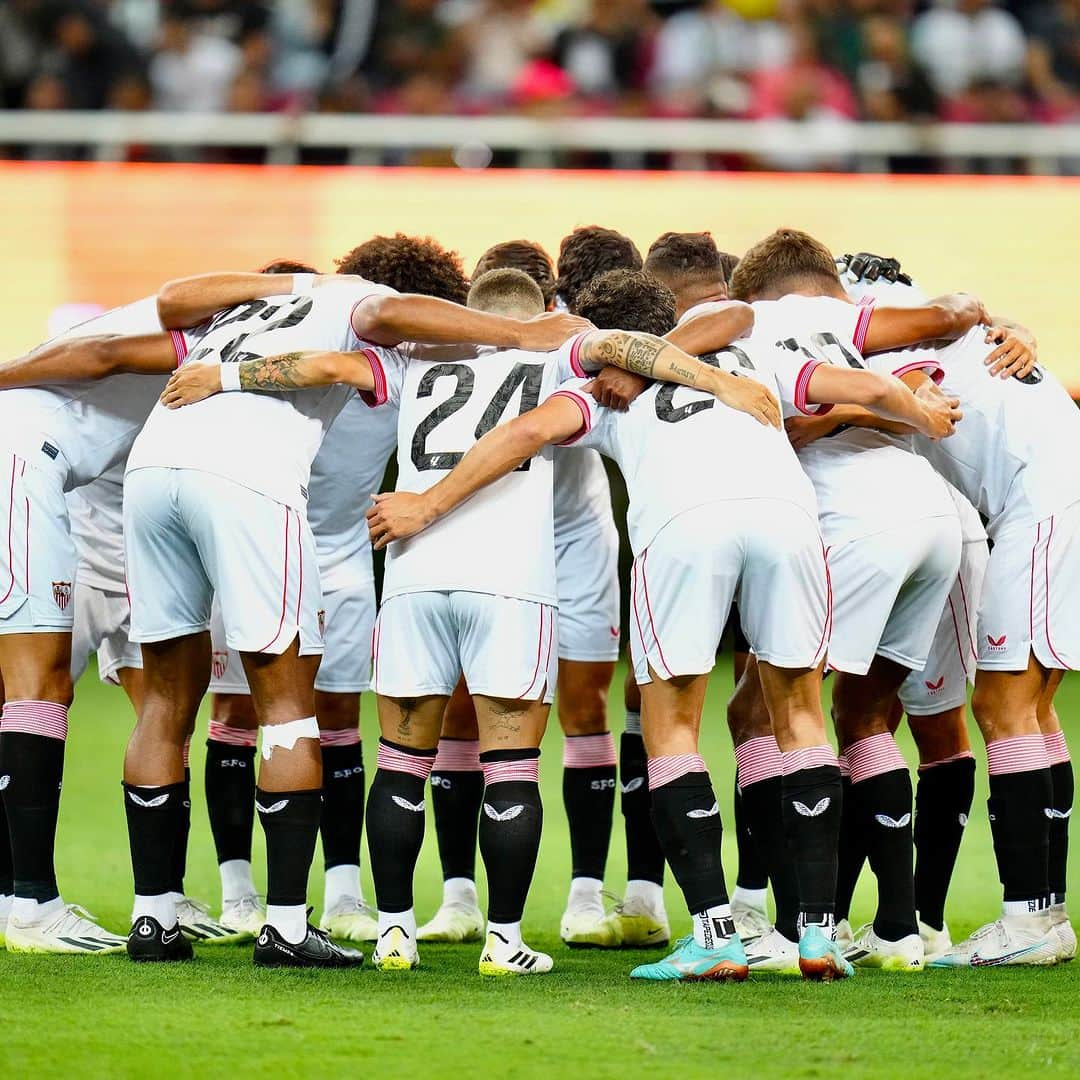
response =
{"points": [[701, 293]]}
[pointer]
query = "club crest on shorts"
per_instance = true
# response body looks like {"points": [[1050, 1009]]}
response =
{"points": [[996, 644], [219, 663], [61, 591]]}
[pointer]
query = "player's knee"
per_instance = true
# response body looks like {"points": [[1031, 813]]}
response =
{"points": [[586, 715], [234, 710], [337, 712]]}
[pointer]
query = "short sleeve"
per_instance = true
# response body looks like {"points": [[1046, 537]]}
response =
{"points": [[793, 370], [592, 415], [901, 363], [180, 344], [358, 291], [568, 359], [388, 368]]}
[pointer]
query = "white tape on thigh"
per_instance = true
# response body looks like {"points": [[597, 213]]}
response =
{"points": [[286, 735]]}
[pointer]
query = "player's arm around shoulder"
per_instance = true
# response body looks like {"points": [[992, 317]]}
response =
{"points": [[361, 369], [942, 319], [187, 302], [562, 419], [89, 358]]}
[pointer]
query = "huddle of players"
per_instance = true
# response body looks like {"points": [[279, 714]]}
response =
{"points": [[885, 598]]}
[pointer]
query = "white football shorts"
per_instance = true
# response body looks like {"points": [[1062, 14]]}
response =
{"points": [[37, 556], [587, 570], [347, 618], [505, 647], [764, 554], [888, 593], [102, 625], [1031, 596], [191, 534], [950, 665]]}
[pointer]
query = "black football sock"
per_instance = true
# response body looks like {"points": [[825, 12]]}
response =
{"points": [[290, 822], [183, 831], [1019, 798], [644, 856], [343, 803], [811, 798], [155, 817], [230, 798], [1061, 780], [7, 872], [34, 767], [687, 820], [510, 829], [753, 872], [457, 790], [589, 797], [943, 796], [395, 822], [851, 853], [883, 803], [762, 809]]}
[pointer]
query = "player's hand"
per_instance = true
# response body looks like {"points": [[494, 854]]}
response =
{"points": [[748, 396], [191, 383], [941, 414], [1016, 352], [617, 389], [803, 430], [395, 515], [549, 331]]}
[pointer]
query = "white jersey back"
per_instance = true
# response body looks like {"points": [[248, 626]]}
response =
{"points": [[96, 512], [87, 426], [346, 471], [679, 448], [501, 540], [264, 441], [582, 494], [867, 481], [1014, 454]]}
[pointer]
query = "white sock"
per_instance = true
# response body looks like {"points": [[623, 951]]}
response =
{"points": [[405, 919], [713, 927], [509, 930], [289, 920], [1022, 907], [162, 908], [5, 906], [28, 911], [177, 897], [585, 892], [648, 892], [757, 899], [236, 880], [459, 891], [342, 883]]}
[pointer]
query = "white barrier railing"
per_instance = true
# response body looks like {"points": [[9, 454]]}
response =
{"points": [[367, 138]]}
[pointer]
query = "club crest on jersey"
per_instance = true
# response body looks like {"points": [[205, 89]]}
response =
{"points": [[219, 663], [935, 687], [996, 644], [61, 591]]}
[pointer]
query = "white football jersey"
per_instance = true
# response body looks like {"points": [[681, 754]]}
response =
{"points": [[679, 448], [1014, 454], [91, 425], [582, 494], [347, 470], [866, 480], [501, 540], [263, 441], [96, 512]]}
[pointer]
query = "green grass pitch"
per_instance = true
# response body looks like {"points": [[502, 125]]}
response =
{"points": [[218, 1016]]}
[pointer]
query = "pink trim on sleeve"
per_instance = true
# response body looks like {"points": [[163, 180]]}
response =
{"points": [[374, 398], [931, 367], [575, 354], [802, 384], [179, 344], [862, 323], [586, 415]]}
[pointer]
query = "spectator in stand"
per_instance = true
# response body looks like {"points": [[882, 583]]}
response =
{"points": [[892, 85], [1054, 59], [192, 71], [413, 41], [498, 41], [87, 56]]}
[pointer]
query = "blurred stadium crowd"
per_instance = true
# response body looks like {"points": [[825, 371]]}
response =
{"points": [[821, 62]]}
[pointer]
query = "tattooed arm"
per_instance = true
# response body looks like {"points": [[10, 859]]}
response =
{"points": [[276, 374], [655, 358]]}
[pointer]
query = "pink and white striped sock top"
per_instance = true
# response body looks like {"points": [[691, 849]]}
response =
{"points": [[1019, 753], [45, 718], [588, 751], [662, 770]]}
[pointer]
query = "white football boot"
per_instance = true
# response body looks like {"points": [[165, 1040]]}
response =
{"points": [[395, 950], [501, 957], [935, 942], [773, 952], [350, 919], [639, 920], [871, 951], [751, 923], [585, 924], [71, 930], [200, 927], [244, 915], [845, 937], [1059, 919], [453, 923], [5, 911], [1011, 940]]}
